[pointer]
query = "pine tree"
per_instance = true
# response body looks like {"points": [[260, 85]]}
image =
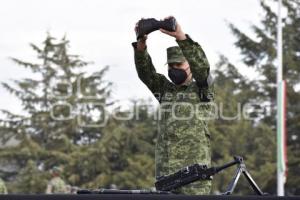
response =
{"points": [[60, 106], [259, 52], [30, 179], [128, 146], [234, 133]]}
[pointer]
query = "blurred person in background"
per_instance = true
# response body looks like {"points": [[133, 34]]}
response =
{"points": [[3, 189], [57, 185]]}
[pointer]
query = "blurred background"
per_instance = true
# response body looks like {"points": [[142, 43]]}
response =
{"points": [[64, 62]]}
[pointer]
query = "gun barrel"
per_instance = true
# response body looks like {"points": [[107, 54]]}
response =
{"points": [[218, 169], [115, 191]]}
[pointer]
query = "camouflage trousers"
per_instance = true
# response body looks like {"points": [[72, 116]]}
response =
{"points": [[172, 156]]}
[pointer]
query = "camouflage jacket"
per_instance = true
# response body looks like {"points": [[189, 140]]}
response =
{"points": [[56, 186], [3, 189], [183, 138]]}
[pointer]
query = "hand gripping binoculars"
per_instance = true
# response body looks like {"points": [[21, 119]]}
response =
{"points": [[146, 26]]}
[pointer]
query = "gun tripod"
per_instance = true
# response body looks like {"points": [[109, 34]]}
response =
{"points": [[241, 169]]}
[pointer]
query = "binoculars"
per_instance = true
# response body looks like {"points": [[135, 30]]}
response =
{"points": [[146, 26]]}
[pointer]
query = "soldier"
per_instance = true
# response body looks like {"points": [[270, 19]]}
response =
{"points": [[3, 189], [56, 185], [183, 138]]}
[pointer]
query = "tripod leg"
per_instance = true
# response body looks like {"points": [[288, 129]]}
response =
{"points": [[252, 182], [234, 181]]}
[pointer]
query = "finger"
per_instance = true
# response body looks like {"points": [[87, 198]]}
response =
{"points": [[136, 26], [143, 39], [165, 31]]}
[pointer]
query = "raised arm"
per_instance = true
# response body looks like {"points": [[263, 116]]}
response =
{"points": [[197, 60], [154, 81]]}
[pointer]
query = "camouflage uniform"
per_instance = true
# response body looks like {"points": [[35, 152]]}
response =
{"points": [[3, 189], [56, 186], [181, 142]]}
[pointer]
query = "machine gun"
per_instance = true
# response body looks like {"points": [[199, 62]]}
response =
{"points": [[167, 183], [199, 172]]}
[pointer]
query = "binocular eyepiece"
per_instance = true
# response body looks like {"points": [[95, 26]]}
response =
{"points": [[146, 26]]}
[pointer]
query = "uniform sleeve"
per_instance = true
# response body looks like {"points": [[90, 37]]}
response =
{"points": [[48, 189], [154, 81], [199, 65]]}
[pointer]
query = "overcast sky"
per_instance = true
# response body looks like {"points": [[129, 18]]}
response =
{"points": [[102, 31]]}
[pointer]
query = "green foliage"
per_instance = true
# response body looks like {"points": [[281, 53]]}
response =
{"points": [[234, 134], [48, 133], [30, 179], [45, 135], [128, 147], [259, 52], [122, 151]]}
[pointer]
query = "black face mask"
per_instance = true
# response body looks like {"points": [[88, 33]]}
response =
{"points": [[178, 76]]}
